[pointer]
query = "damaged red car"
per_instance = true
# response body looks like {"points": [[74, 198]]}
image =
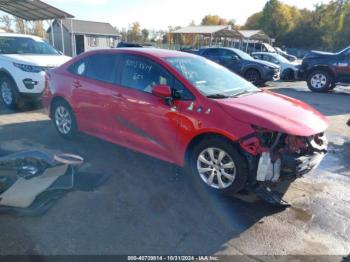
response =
{"points": [[189, 111]]}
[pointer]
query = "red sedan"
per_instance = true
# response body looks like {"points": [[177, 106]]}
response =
{"points": [[189, 111]]}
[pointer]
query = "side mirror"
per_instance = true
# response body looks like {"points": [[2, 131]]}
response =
{"points": [[162, 91], [235, 58]]}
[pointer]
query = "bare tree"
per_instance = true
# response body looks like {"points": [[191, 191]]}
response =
{"points": [[6, 22]]}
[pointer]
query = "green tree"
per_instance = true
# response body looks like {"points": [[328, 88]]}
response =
{"points": [[134, 33], [145, 35], [253, 21], [213, 20]]}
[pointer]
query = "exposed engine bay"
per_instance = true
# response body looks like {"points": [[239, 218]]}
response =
{"points": [[282, 156]]}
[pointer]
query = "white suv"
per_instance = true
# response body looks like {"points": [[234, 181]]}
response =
{"points": [[23, 62]]}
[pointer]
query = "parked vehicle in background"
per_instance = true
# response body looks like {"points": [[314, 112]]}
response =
{"points": [[255, 71], [128, 44], [289, 57], [289, 70], [257, 47], [133, 44], [23, 62], [323, 71], [189, 111]]}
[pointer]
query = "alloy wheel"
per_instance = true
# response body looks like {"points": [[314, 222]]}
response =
{"points": [[6, 93], [216, 168], [63, 120], [318, 81]]}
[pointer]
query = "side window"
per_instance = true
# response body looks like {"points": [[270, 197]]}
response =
{"points": [[143, 74], [79, 68], [212, 52], [181, 92], [225, 54], [102, 67], [274, 60], [266, 58], [257, 56]]}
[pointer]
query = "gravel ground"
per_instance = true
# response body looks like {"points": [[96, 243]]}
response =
{"points": [[150, 207]]}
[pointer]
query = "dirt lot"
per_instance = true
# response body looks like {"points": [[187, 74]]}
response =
{"points": [[150, 207]]}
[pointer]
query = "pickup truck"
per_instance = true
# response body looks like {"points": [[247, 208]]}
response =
{"points": [[324, 71]]}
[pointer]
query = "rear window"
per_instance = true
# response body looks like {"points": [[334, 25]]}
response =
{"points": [[101, 67]]}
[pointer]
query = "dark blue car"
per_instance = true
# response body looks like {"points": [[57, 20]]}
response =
{"points": [[256, 71]]}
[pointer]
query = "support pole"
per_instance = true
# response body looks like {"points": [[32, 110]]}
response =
{"points": [[52, 34], [62, 38], [72, 37]]}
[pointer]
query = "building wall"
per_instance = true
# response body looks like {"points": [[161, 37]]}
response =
{"points": [[93, 42]]}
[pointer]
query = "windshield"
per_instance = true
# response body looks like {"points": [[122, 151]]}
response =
{"points": [[25, 45], [346, 51], [280, 58], [210, 78], [242, 54]]}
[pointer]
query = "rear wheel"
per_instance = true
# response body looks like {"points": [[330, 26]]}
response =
{"points": [[9, 93], [218, 165], [64, 119], [319, 81], [253, 75], [288, 75]]}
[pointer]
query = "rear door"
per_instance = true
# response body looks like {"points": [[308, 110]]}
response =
{"points": [[92, 91]]}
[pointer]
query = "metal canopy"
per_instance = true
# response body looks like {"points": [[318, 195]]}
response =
{"points": [[211, 30], [32, 10]]}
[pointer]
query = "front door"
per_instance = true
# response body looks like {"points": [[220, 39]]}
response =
{"points": [[147, 122]]}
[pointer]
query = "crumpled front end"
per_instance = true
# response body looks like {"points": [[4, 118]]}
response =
{"points": [[281, 156]]}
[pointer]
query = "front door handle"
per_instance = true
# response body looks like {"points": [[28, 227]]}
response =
{"points": [[117, 96], [76, 84]]}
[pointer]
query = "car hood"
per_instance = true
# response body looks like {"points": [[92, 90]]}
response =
{"points": [[276, 112], [265, 63], [38, 60], [319, 54]]}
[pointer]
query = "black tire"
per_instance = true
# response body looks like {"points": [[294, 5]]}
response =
{"points": [[288, 75], [240, 163], [253, 76], [319, 81], [58, 105], [12, 99]]}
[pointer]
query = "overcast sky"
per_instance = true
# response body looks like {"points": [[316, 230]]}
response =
{"points": [[159, 14]]}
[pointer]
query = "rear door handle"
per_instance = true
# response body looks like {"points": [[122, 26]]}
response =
{"points": [[76, 84]]}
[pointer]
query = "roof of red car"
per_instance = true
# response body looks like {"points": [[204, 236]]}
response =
{"points": [[157, 52]]}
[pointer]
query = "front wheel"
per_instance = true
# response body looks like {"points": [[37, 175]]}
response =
{"points": [[64, 119], [253, 76], [319, 81], [288, 75], [9, 94], [218, 164]]}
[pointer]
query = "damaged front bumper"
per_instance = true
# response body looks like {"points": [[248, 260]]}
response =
{"points": [[284, 157]]}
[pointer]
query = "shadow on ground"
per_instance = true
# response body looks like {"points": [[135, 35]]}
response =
{"points": [[147, 206]]}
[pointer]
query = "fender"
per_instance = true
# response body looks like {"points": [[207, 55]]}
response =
{"points": [[251, 66], [4, 71]]}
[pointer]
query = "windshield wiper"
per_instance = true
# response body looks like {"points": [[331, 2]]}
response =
{"points": [[246, 92], [219, 96]]}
